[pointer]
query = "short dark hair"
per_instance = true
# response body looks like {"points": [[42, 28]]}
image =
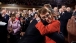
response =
{"points": [[12, 15], [64, 5]]}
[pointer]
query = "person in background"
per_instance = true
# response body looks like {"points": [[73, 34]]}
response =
{"points": [[56, 12], [14, 29], [34, 16], [74, 12], [23, 26], [30, 12], [17, 16], [3, 30], [69, 12], [64, 7], [5, 16], [33, 12], [75, 8], [63, 20], [27, 19]]}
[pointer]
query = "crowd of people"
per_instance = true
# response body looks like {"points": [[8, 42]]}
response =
{"points": [[46, 25]]}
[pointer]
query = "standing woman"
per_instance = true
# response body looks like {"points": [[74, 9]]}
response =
{"points": [[3, 30], [17, 16], [14, 29]]}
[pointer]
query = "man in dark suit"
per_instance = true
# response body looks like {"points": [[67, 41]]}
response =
{"points": [[3, 30], [64, 17], [5, 16], [5, 19]]}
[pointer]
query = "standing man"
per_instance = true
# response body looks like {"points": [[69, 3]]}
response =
{"points": [[3, 30], [64, 16], [5, 16]]}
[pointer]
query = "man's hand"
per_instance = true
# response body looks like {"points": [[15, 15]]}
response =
{"points": [[38, 19]]}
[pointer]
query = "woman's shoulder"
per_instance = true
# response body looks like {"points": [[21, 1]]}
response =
{"points": [[17, 21]]}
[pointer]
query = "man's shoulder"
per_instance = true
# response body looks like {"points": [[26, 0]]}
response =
{"points": [[34, 21], [7, 15]]}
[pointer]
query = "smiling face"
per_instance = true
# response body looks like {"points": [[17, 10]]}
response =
{"points": [[45, 15]]}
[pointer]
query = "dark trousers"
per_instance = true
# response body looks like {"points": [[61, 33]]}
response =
{"points": [[63, 29], [14, 38], [3, 38]]}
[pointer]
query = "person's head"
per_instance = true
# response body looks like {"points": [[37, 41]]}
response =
{"points": [[22, 19], [64, 7], [55, 9], [34, 10], [61, 10], [3, 11], [68, 9], [17, 15], [26, 15], [44, 14], [30, 11], [13, 17], [36, 15]]}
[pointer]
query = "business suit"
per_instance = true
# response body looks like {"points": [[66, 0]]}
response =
{"points": [[64, 17], [6, 17], [32, 35], [3, 31]]}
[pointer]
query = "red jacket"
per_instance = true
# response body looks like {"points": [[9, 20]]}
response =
{"points": [[50, 28]]}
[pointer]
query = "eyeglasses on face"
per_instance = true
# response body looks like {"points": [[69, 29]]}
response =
{"points": [[47, 16]]}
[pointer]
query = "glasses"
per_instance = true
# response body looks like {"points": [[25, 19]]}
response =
{"points": [[47, 16]]}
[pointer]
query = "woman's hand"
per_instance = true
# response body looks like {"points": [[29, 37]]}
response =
{"points": [[10, 30], [22, 33]]}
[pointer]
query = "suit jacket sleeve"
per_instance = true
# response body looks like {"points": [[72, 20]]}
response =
{"points": [[50, 28]]}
